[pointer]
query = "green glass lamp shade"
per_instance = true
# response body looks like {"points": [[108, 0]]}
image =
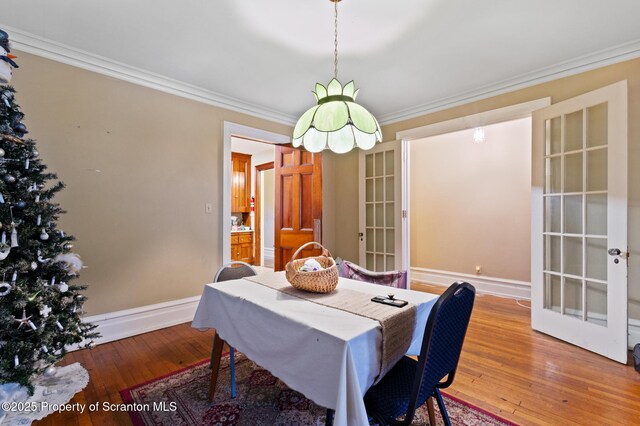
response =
{"points": [[337, 122]]}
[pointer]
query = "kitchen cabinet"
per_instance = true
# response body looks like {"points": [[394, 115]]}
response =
{"points": [[240, 182], [242, 246]]}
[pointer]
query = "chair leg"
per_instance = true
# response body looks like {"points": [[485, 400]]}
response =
{"points": [[328, 421], [233, 372], [216, 354], [430, 410], [443, 410]]}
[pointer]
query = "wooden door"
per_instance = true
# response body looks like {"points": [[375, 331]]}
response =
{"points": [[298, 206], [579, 221]]}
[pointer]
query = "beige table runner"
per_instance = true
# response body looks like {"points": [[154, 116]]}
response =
{"points": [[397, 323]]}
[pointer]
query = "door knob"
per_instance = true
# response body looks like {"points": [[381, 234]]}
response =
{"points": [[614, 252]]}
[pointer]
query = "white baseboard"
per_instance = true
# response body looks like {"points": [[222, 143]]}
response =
{"points": [[634, 332], [487, 285], [268, 252], [130, 322]]}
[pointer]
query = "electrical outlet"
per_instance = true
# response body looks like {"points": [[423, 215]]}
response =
{"points": [[478, 269], [208, 208]]}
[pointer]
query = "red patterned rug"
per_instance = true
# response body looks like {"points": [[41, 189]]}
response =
{"points": [[180, 399]]}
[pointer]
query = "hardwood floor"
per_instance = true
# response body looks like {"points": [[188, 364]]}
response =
{"points": [[505, 368]]}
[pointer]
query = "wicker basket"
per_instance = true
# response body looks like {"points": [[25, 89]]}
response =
{"points": [[322, 281]]}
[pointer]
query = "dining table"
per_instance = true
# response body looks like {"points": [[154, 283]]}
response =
{"points": [[329, 355]]}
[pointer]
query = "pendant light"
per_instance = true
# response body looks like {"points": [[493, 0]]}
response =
{"points": [[337, 122]]}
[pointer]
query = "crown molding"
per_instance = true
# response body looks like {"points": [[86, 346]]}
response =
{"points": [[620, 53], [36, 45]]}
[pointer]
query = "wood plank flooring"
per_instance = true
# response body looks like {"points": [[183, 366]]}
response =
{"points": [[505, 368]]}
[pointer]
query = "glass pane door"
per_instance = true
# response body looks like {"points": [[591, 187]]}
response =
{"points": [[575, 214], [380, 207]]}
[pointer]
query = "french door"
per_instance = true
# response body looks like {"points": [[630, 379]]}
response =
{"points": [[383, 217], [579, 221]]}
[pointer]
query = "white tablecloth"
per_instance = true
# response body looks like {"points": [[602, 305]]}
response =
{"points": [[330, 356]]}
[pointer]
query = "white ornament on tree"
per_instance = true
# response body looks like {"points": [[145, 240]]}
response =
{"points": [[45, 311], [14, 235]]}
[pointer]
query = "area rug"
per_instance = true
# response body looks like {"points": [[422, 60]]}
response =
{"points": [[180, 399]]}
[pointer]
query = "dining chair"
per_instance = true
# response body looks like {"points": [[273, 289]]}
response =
{"points": [[397, 279], [232, 271], [410, 383]]}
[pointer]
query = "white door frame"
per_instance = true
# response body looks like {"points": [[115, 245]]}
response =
{"points": [[512, 112], [237, 130]]}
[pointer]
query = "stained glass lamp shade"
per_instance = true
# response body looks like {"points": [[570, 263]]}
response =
{"points": [[337, 122]]}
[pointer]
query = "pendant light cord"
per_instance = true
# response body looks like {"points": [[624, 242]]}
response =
{"points": [[335, 40]]}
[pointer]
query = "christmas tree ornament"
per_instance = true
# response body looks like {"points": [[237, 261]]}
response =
{"points": [[39, 220], [62, 233], [50, 371], [9, 178], [32, 325], [26, 164], [14, 277], [91, 345], [6, 65], [43, 235], [5, 288], [20, 130], [24, 320], [72, 262], [34, 266], [37, 198], [45, 311], [1, 152], [60, 327], [1, 199], [14, 235], [63, 287], [67, 246], [40, 258], [53, 281], [35, 153], [44, 349], [5, 249], [16, 361], [21, 204]]}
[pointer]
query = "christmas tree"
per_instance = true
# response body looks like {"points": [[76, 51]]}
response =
{"points": [[39, 310]]}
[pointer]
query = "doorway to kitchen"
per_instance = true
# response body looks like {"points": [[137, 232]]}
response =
{"points": [[252, 201], [244, 148]]}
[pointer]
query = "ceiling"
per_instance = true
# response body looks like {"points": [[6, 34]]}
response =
{"points": [[409, 57], [246, 146]]}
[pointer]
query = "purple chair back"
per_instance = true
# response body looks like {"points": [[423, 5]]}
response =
{"points": [[397, 279]]}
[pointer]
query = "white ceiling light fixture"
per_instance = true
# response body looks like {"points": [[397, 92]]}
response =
{"points": [[337, 122], [478, 135]]}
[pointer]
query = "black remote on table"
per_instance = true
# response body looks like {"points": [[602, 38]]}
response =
{"points": [[390, 301]]}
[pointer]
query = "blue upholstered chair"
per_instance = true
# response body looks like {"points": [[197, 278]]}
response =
{"points": [[410, 383], [233, 271], [397, 279]]}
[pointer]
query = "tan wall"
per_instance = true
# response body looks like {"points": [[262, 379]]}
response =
{"points": [[471, 203], [140, 222], [560, 90]]}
